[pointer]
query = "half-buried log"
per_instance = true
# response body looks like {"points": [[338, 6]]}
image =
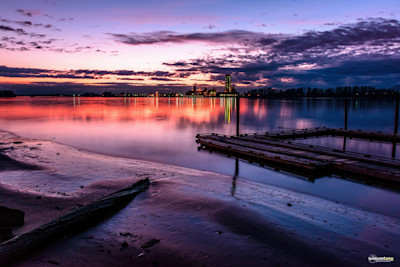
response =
{"points": [[12, 249], [11, 217]]}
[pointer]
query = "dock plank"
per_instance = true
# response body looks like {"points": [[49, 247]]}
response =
{"points": [[266, 148], [262, 155], [323, 131]]}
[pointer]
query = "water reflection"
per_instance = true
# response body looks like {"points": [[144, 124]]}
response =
{"points": [[235, 176], [164, 130]]}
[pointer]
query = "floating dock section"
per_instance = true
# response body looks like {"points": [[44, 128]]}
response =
{"points": [[278, 149]]}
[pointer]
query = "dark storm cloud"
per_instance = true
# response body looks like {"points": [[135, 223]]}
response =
{"points": [[10, 72], [368, 49], [39, 73], [380, 72], [373, 30], [233, 36], [364, 67]]}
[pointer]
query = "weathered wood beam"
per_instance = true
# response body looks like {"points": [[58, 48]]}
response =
{"points": [[12, 249]]}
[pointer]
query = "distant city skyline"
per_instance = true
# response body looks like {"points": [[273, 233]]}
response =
{"points": [[53, 47]]}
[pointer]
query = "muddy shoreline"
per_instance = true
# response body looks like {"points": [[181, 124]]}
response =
{"points": [[187, 217]]}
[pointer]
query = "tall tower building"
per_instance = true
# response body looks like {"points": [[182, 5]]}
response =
{"points": [[228, 83]]}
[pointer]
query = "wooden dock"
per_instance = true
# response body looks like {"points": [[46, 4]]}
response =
{"points": [[323, 131], [277, 149]]}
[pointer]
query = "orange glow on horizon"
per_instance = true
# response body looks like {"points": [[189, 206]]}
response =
{"points": [[203, 110]]}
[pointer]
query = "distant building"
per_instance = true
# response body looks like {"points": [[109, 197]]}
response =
{"points": [[212, 92], [190, 93], [228, 83], [200, 91]]}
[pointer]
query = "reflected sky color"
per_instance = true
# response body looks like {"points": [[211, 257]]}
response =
{"points": [[164, 130], [140, 46]]}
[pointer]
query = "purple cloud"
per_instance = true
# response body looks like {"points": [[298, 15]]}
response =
{"points": [[159, 37], [83, 73], [377, 30], [366, 51], [27, 13], [11, 29]]}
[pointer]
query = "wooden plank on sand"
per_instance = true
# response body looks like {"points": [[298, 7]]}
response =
{"points": [[12, 249]]}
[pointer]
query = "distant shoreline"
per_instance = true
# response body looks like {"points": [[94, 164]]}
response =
{"points": [[391, 96]]}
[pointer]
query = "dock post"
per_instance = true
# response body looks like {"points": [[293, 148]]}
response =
{"points": [[344, 143], [396, 115], [345, 114], [394, 149], [237, 114]]}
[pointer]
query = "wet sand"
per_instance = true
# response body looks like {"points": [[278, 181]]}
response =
{"points": [[187, 217]]}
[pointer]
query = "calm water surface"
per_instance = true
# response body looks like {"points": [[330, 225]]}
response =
{"points": [[164, 130]]}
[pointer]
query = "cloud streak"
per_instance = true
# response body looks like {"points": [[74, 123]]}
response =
{"points": [[26, 13], [84, 74], [11, 29], [162, 37]]}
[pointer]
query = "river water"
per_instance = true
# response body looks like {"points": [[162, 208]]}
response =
{"points": [[164, 130]]}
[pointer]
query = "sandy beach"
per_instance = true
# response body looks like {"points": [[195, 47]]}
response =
{"points": [[187, 217]]}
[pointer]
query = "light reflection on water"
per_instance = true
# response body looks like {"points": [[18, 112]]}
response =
{"points": [[164, 130]]}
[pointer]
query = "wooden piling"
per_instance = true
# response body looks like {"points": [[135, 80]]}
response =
{"points": [[345, 114], [394, 150], [396, 114], [344, 143], [237, 114]]}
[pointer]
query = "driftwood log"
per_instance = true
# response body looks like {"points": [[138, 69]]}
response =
{"points": [[12, 249], [11, 217]]}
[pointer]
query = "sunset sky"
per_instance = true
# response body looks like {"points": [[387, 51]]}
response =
{"points": [[75, 46]]}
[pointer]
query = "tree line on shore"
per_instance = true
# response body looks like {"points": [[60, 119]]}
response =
{"points": [[7, 93], [340, 91]]}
